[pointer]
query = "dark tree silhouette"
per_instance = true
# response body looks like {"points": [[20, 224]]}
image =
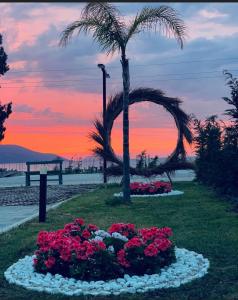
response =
{"points": [[216, 146], [6, 109]]}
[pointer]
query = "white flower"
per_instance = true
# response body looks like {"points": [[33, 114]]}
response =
{"points": [[97, 238], [102, 233], [119, 236], [111, 249]]}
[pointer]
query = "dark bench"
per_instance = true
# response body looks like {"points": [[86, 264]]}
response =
{"points": [[51, 173]]}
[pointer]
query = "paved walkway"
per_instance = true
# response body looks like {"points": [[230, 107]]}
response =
{"points": [[12, 214], [18, 203], [12, 196]]}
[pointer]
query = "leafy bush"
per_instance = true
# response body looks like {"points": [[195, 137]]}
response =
{"points": [[217, 147], [87, 253]]}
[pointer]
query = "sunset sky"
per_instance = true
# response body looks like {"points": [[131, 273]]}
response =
{"points": [[57, 92]]}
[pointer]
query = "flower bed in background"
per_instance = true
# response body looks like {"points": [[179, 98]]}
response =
{"points": [[152, 188], [87, 253]]}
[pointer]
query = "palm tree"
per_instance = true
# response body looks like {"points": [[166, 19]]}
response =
{"points": [[108, 29]]}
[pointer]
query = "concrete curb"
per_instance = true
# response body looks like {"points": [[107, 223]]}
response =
{"points": [[17, 224]]}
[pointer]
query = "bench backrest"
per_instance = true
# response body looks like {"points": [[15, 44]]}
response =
{"points": [[52, 172]]}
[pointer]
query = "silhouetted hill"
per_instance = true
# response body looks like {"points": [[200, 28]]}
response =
{"points": [[18, 154]]}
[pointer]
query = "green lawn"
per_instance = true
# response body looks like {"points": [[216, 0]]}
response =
{"points": [[200, 221]]}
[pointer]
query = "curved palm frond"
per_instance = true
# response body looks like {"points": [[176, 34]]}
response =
{"points": [[103, 20], [84, 25], [99, 135], [175, 161], [164, 16]]}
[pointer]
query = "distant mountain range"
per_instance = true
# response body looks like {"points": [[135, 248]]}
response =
{"points": [[18, 154]]}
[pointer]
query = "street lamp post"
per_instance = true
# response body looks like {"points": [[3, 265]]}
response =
{"points": [[105, 75]]}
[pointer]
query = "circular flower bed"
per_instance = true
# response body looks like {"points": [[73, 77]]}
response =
{"points": [[152, 189], [81, 259], [188, 266]]}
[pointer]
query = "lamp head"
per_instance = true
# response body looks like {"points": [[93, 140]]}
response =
{"points": [[101, 66]]}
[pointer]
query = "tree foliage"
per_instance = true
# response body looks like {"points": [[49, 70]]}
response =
{"points": [[3, 59], [217, 146], [144, 161], [208, 147], [6, 109]]}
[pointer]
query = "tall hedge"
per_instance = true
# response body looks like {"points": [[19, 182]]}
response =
{"points": [[216, 146]]}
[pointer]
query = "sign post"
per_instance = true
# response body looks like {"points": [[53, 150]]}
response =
{"points": [[43, 192]]}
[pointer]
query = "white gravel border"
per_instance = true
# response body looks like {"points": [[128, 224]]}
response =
{"points": [[172, 193], [189, 266]]}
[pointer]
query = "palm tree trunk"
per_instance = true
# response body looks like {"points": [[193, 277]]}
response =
{"points": [[126, 153]]}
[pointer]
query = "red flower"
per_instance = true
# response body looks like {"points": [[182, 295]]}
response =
{"points": [[151, 250], [167, 231], [92, 227], [86, 234], [72, 227], [100, 245], [124, 229], [121, 258], [77, 238], [65, 255], [79, 221], [42, 236], [50, 262], [163, 244], [134, 242]]}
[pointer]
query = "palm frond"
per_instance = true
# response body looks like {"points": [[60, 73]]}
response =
{"points": [[164, 16], [99, 135], [102, 11], [84, 25], [103, 20]]}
